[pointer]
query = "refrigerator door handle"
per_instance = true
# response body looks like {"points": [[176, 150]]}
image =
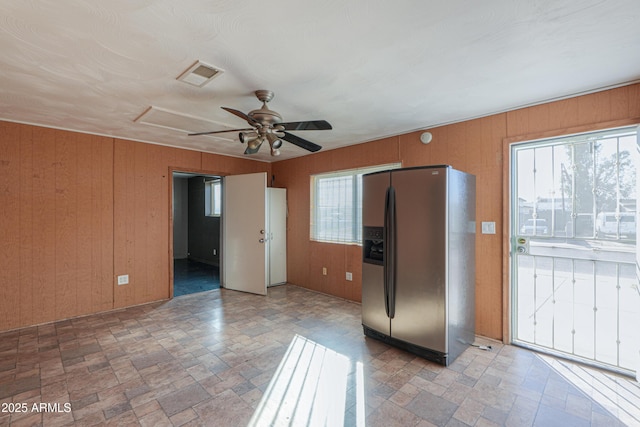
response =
{"points": [[390, 252], [385, 258]]}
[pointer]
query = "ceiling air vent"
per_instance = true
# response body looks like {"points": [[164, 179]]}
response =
{"points": [[199, 74]]}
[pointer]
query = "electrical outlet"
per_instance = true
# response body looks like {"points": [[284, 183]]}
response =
{"points": [[349, 276], [123, 280], [324, 271]]}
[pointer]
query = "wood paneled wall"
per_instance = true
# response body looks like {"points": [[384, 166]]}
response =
{"points": [[56, 216], [476, 146], [77, 210]]}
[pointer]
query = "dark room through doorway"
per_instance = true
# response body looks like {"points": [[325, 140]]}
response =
{"points": [[196, 233]]}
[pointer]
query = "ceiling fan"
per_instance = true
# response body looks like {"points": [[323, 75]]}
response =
{"points": [[267, 125]]}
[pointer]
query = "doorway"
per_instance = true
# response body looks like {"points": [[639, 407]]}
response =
{"points": [[573, 233], [196, 233]]}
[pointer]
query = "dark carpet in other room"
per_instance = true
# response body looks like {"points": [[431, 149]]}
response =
{"points": [[191, 276]]}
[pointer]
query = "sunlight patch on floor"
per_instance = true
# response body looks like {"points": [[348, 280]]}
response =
{"points": [[309, 388], [620, 396]]}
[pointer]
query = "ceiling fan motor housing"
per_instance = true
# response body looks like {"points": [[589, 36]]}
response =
{"points": [[265, 116]]}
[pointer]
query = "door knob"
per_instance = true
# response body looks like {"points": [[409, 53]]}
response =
{"points": [[261, 240], [261, 231]]}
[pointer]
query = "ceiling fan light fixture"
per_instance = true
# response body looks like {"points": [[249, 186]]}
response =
{"points": [[255, 143], [274, 141], [247, 137]]}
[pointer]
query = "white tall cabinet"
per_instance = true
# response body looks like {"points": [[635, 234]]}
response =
{"points": [[276, 237]]}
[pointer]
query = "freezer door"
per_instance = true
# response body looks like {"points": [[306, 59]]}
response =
{"points": [[420, 290], [374, 190], [374, 316]]}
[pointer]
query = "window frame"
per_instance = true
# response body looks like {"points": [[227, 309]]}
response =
{"points": [[315, 232], [213, 198]]}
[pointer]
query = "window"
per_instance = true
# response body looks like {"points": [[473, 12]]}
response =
{"points": [[336, 204], [212, 198]]}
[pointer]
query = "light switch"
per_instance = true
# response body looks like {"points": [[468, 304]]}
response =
{"points": [[123, 280], [488, 227]]}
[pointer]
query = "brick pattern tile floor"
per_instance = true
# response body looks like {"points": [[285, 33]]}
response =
{"points": [[294, 357]]}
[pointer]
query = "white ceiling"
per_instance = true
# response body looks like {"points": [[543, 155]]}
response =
{"points": [[372, 68]]}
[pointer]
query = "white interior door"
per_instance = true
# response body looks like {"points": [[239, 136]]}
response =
{"points": [[244, 261]]}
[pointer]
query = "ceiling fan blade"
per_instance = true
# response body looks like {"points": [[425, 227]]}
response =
{"points": [[302, 143], [239, 114], [308, 125], [219, 131]]}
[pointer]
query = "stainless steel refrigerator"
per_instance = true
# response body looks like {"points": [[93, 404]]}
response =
{"points": [[418, 271]]}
